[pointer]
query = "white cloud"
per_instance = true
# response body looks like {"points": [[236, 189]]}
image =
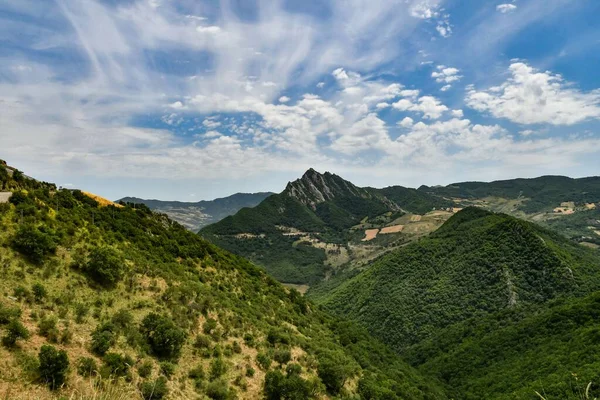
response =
{"points": [[446, 74], [211, 124], [444, 28], [445, 88], [506, 8], [533, 97], [320, 85], [429, 106], [407, 122], [211, 30], [457, 113], [284, 99]]}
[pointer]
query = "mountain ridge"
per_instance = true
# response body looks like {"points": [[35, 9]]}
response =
{"points": [[195, 215]]}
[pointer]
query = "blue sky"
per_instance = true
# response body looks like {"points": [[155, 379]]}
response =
{"points": [[196, 99]]}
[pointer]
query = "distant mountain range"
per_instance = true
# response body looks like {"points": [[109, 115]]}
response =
{"points": [[196, 215]]}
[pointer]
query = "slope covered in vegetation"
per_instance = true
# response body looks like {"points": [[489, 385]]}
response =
{"points": [[96, 297], [478, 263], [542, 194], [294, 233], [550, 349]]}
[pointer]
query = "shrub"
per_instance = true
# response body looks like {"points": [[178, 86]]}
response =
{"points": [[167, 369], [334, 369], [14, 331], [33, 243], [209, 325], [145, 369], [7, 314], [39, 292], [81, 310], [250, 372], [53, 366], [263, 360], [219, 390], [117, 364], [86, 366], [164, 338], [282, 356], [47, 328], [202, 342], [154, 390], [218, 367], [105, 266], [122, 319], [197, 373], [103, 338], [290, 387]]}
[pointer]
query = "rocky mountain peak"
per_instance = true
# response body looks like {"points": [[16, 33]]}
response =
{"points": [[315, 188]]}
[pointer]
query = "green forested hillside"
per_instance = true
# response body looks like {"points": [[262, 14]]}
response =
{"points": [[119, 302], [476, 264], [514, 353], [495, 307], [542, 194]]}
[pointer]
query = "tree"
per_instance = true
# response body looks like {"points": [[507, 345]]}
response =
{"points": [[162, 335], [334, 369], [14, 331], [53, 366], [33, 243], [105, 266], [103, 337]]}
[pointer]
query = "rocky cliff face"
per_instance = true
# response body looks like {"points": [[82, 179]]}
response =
{"points": [[315, 188]]}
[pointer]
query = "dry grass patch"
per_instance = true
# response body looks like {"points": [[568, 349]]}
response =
{"points": [[392, 229], [370, 234]]}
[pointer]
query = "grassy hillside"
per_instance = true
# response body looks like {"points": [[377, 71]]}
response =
{"points": [[199, 214], [476, 264], [96, 301]]}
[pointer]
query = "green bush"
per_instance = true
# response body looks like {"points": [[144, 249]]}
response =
{"points": [[167, 369], [103, 337], [7, 314], [105, 266], [47, 328], [263, 360], [220, 390], [202, 342], [34, 243], [14, 331], [154, 390], [282, 355], [334, 369], [165, 339], [145, 369], [39, 292], [218, 367], [53, 366], [292, 386], [197, 373], [86, 366], [122, 319], [117, 364]]}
